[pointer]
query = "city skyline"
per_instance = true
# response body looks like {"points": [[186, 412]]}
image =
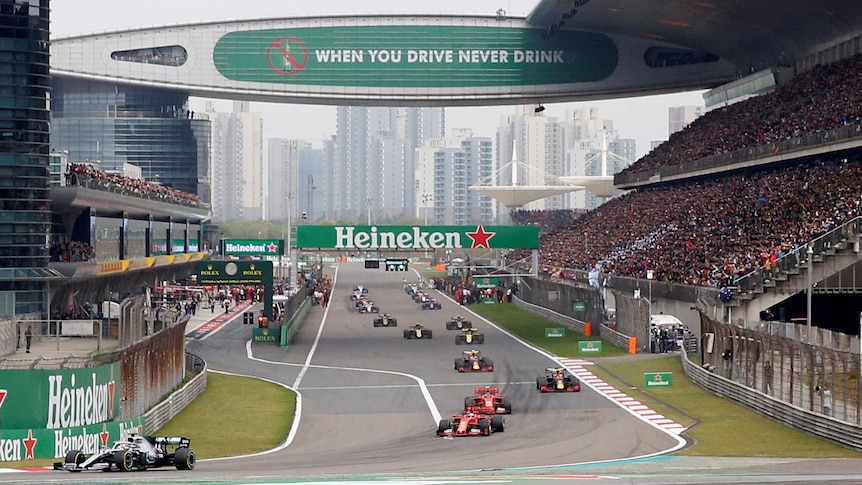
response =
{"points": [[644, 119]]}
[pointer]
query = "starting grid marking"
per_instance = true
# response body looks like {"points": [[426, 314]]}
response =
{"points": [[576, 366]]}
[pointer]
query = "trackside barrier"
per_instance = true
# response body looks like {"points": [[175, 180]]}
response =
{"points": [[164, 411], [633, 345], [566, 321], [291, 328], [825, 427]]}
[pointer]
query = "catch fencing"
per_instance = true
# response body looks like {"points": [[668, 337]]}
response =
{"points": [[814, 378]]}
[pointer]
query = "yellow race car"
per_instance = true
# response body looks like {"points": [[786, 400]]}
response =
{"points": [[417, 330]]}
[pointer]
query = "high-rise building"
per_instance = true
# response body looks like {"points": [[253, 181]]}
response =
{"points": [[147, 127], [24, 154], [370, 170], [294, 180], [445, 169], [238, 189], [681, 116], [593, 148], [534, 141]]}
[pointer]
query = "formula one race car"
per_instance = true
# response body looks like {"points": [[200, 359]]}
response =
{"points": [[385, 320], [558, 379], [135, 453], [471, 424], [417, 330], [431, 304], [470, 336], [358, 292], [368, 306], [457, 323], [472, 360], [487, 400]]}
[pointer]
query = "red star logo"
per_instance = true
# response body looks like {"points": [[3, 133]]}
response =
{"points": [[104, 435], [3, 393], [272, 247], [30, 444], [480, 237]]}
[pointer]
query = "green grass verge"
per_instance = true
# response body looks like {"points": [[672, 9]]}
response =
{"points": [[532, 329], [719, 426], [255, 407]]}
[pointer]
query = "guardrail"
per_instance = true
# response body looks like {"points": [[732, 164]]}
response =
{"points": [[291, 328], [164, 411], [564, 320], [824, 427]]}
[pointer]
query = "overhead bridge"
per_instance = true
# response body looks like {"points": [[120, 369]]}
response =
{"points": [[415, 60]]}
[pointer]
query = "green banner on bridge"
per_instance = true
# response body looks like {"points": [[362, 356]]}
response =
{"points": [[416, 56], [417, 237]]}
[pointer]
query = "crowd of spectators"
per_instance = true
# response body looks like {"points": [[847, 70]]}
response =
{"points": [[821, 99], [86, 176], [546, 220], [71, 251], [710, 232]]}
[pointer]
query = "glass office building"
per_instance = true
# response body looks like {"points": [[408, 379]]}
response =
{"points": [[148, 127], [24, 147]]}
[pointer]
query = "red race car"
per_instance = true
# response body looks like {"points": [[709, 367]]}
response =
{"points": [[487, 400], [472, 360], [558, 379], [471, 424]]}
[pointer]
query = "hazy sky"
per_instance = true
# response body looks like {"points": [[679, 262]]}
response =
{"points": [[644, 119]]}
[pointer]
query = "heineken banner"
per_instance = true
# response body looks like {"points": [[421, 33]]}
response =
{"points": [[252, 247], [417, 237], [46, 412], [415, 56]]}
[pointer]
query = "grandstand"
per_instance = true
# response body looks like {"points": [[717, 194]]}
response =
{"points": [[734, 197]]}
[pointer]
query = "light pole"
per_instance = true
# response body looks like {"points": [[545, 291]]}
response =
{"points": [[810, 291], [311, 188], [368, 206], [425, 199]]}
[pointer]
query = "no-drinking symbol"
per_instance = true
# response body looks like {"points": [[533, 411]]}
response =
{"points": [[287, 56]]}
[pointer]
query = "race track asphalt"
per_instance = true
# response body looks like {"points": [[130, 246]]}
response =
{"points": [[363, 409]]}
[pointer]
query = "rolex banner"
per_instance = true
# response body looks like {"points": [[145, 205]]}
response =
{"points": [[419, 238]]}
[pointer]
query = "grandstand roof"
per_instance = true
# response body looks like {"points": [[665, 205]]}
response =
{"points": [[751, 34]]}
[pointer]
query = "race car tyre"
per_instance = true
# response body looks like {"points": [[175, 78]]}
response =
{"points": [[125, 460], [75, 457], [393, 322], [426, 334], [498, 423], [506, 404], [443, 426], [489, 364], [539, 383], [378, 323], [451, 325], [484, 427], [459, 365], [185, 459], [409, 334], [460, 340], [468, 403], [479, 339]]}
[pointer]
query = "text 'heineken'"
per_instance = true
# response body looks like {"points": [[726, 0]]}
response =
{"points": [[350, 238]]}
